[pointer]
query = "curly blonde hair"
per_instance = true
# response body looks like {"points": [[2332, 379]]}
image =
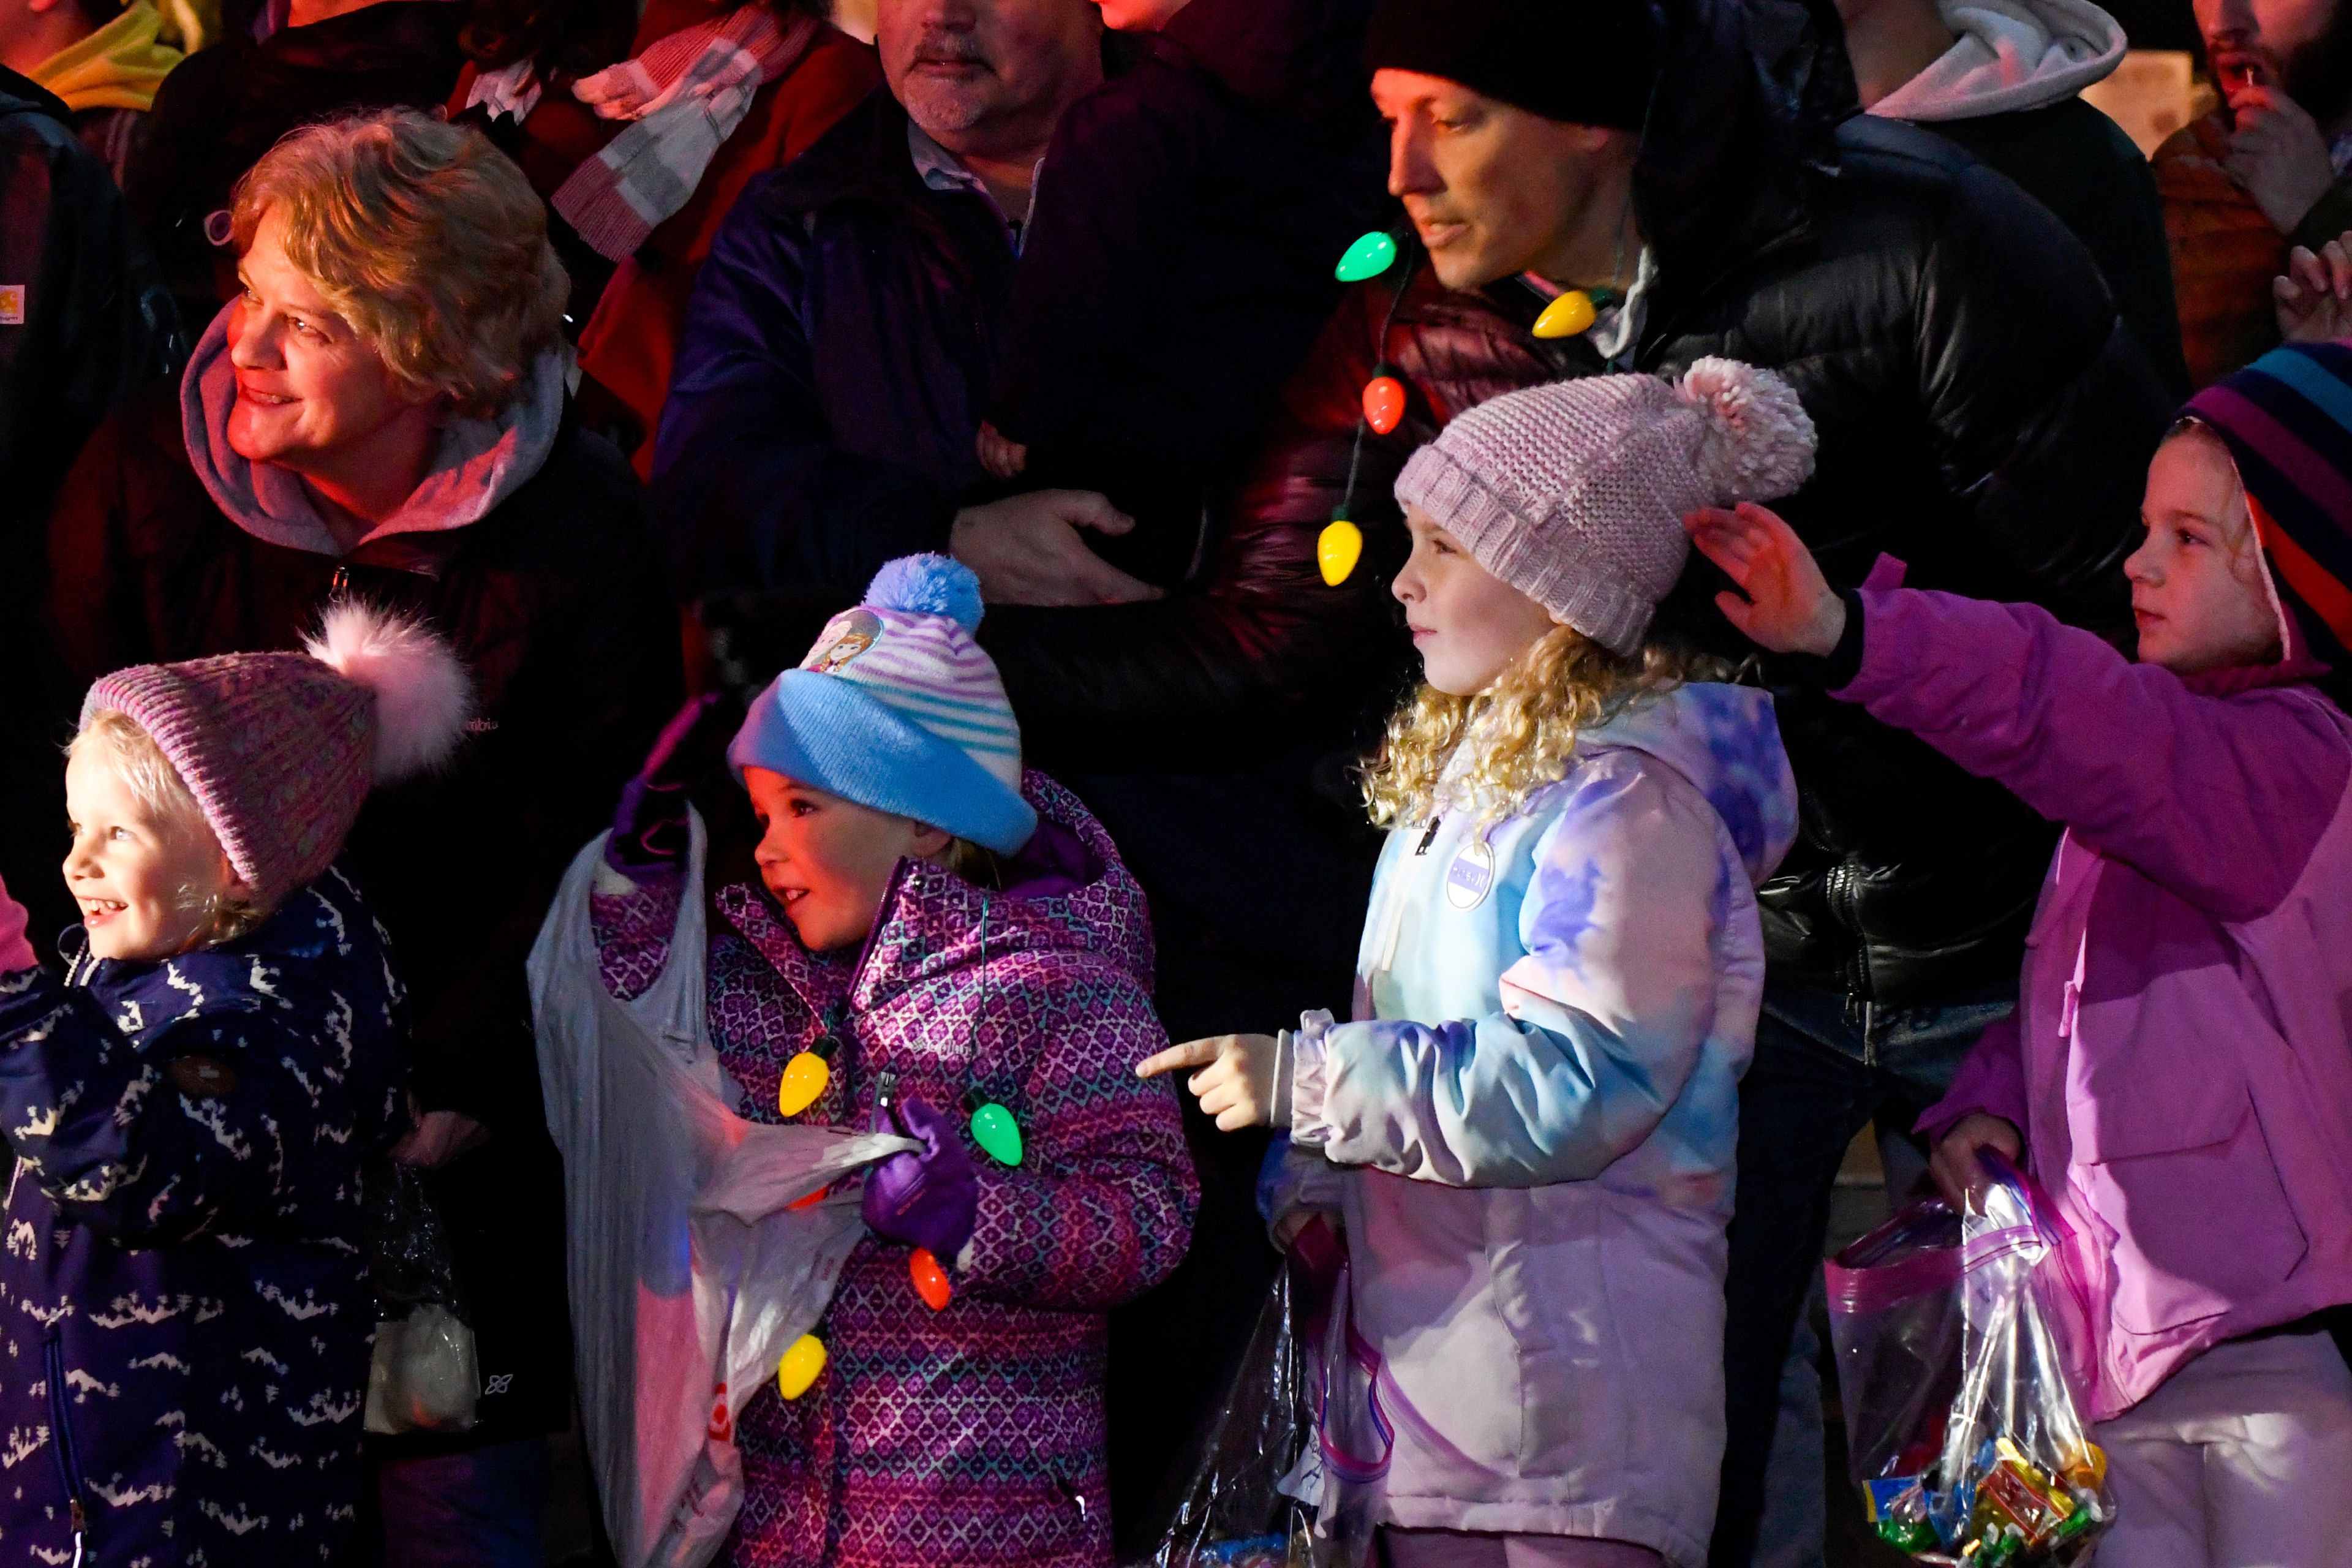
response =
{"points": [[422, 236], [1525, 726]]}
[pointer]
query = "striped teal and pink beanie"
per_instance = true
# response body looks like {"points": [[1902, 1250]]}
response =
{"points": [[2288, 420], [898, 708]]}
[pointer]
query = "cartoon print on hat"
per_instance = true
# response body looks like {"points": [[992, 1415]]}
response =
{"points": [[846, 636]]}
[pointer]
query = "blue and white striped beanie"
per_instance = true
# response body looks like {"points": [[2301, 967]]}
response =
{"points": [[898, 708]]}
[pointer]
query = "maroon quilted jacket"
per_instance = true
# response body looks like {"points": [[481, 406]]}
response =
{"points": [[973, 1435]]}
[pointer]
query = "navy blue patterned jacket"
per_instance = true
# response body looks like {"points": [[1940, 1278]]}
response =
{"points": [[185, 1312]]}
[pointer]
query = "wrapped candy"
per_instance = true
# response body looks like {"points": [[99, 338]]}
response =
{"points": [[1966, 1435]]}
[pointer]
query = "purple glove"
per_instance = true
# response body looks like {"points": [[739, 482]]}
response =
{"points": [[929, 1200], [649, 830]]}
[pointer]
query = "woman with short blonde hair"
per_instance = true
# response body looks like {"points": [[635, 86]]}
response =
{"points": [[382, 412], [424, 238]]}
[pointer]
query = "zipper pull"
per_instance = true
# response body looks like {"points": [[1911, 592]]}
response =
{"points": [[886, 1096], [1430, 838]]}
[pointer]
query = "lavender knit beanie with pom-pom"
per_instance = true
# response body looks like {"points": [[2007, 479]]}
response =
{"points": [[281, 749], [1574, 492]]}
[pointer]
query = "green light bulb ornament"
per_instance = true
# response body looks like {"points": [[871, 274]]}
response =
{"points": [[1367, 257], [993, 1129]]}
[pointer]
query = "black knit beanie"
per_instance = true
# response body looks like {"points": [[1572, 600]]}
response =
{"points": [[1587, 62]]}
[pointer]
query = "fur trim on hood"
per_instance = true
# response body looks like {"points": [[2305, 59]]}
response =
{"points": [[481, 461], [2011, 55]]}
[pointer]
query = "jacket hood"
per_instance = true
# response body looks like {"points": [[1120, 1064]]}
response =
{"points": [[1067, 893], [2010, 55], [1726, 741], [480, 463]]}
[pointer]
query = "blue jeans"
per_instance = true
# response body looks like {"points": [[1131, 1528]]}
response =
{"points": [[1823, 1071], [477, 1508]]}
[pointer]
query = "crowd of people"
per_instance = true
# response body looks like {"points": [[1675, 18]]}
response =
{"points": [[1340, 750]]}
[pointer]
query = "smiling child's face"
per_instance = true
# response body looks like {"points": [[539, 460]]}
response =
{"points": [[146, 885], [828, 861]]}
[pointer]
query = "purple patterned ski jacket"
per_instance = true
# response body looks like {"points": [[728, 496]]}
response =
{"points": [[972, 1436]]}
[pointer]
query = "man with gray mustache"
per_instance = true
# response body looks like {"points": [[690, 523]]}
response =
{"points": [[842, 333]]}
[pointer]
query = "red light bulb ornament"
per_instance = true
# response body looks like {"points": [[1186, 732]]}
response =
{"points": [[1383, 402], [930, 1280]]}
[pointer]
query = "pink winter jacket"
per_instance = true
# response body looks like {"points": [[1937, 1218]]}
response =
{"points": [[2180, 1061]]}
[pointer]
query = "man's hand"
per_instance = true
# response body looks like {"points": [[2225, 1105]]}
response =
{"points": [[1004, 458], [1025, 550], [1236, 1083], [1955, 1166], [2277, 155], [2314, 297], [440, 1137], [1788, 607]]}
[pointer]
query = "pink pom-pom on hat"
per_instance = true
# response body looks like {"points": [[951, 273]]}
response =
{"points": [[281, 749]]}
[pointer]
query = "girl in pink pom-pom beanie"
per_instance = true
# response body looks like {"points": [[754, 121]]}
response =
{"points": [[1527, 1126], [184, 1311]]}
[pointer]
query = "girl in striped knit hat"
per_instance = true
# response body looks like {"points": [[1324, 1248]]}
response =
{"points": [[184, 1311], [949, 934], [2179, 1067]]}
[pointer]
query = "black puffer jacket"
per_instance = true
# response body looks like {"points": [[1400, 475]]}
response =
{"points": [[1981, 414]]}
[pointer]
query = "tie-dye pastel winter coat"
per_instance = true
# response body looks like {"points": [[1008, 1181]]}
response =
{"points": [[972, 1436], [1534, 1117], [185, 1312]]}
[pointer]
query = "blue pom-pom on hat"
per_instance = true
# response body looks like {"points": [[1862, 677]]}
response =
{"points": [[928, 584]]}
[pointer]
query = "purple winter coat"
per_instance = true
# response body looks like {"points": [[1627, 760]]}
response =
{"points": [[973, 1435], [2180, 1061]]}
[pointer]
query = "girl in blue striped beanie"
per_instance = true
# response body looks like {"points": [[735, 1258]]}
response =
{"points": [[958, 944]]}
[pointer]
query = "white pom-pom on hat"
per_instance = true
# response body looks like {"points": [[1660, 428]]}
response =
{"points": [[1760, 442], [423, 694]]}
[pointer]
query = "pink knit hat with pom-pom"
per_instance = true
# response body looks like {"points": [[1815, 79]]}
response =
{"points": [[281, 749], [1574, 492]]}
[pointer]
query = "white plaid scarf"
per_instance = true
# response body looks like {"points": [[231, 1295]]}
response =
{"points": [[684, 97]]}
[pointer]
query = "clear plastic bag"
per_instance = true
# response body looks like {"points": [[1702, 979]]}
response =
{"points": [[423, 1375], [1288, 1475], [1956, 1338]]}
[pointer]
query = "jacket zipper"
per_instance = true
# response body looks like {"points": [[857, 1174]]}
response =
{"points": [[53, 1361]]}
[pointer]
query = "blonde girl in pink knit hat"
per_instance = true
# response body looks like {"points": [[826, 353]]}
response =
{"points": [[1527, 1126], [187, 1313]]}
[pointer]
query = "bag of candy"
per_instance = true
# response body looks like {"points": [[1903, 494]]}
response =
{"points": [[1287, 1473], [1954, 1336]]}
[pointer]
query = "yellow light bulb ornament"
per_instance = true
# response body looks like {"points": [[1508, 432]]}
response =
{"points": [[806, 1075], [1565, 317], [803, 1363], [1337, 549]]}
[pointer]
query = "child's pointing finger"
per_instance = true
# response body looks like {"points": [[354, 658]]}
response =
{"points": [[1190, 1054]]}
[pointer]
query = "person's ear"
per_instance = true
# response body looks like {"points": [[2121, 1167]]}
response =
{"points": [[928, 841]]}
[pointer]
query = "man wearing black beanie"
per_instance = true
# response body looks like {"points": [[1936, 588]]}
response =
{"points": [[1698, 169]]}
